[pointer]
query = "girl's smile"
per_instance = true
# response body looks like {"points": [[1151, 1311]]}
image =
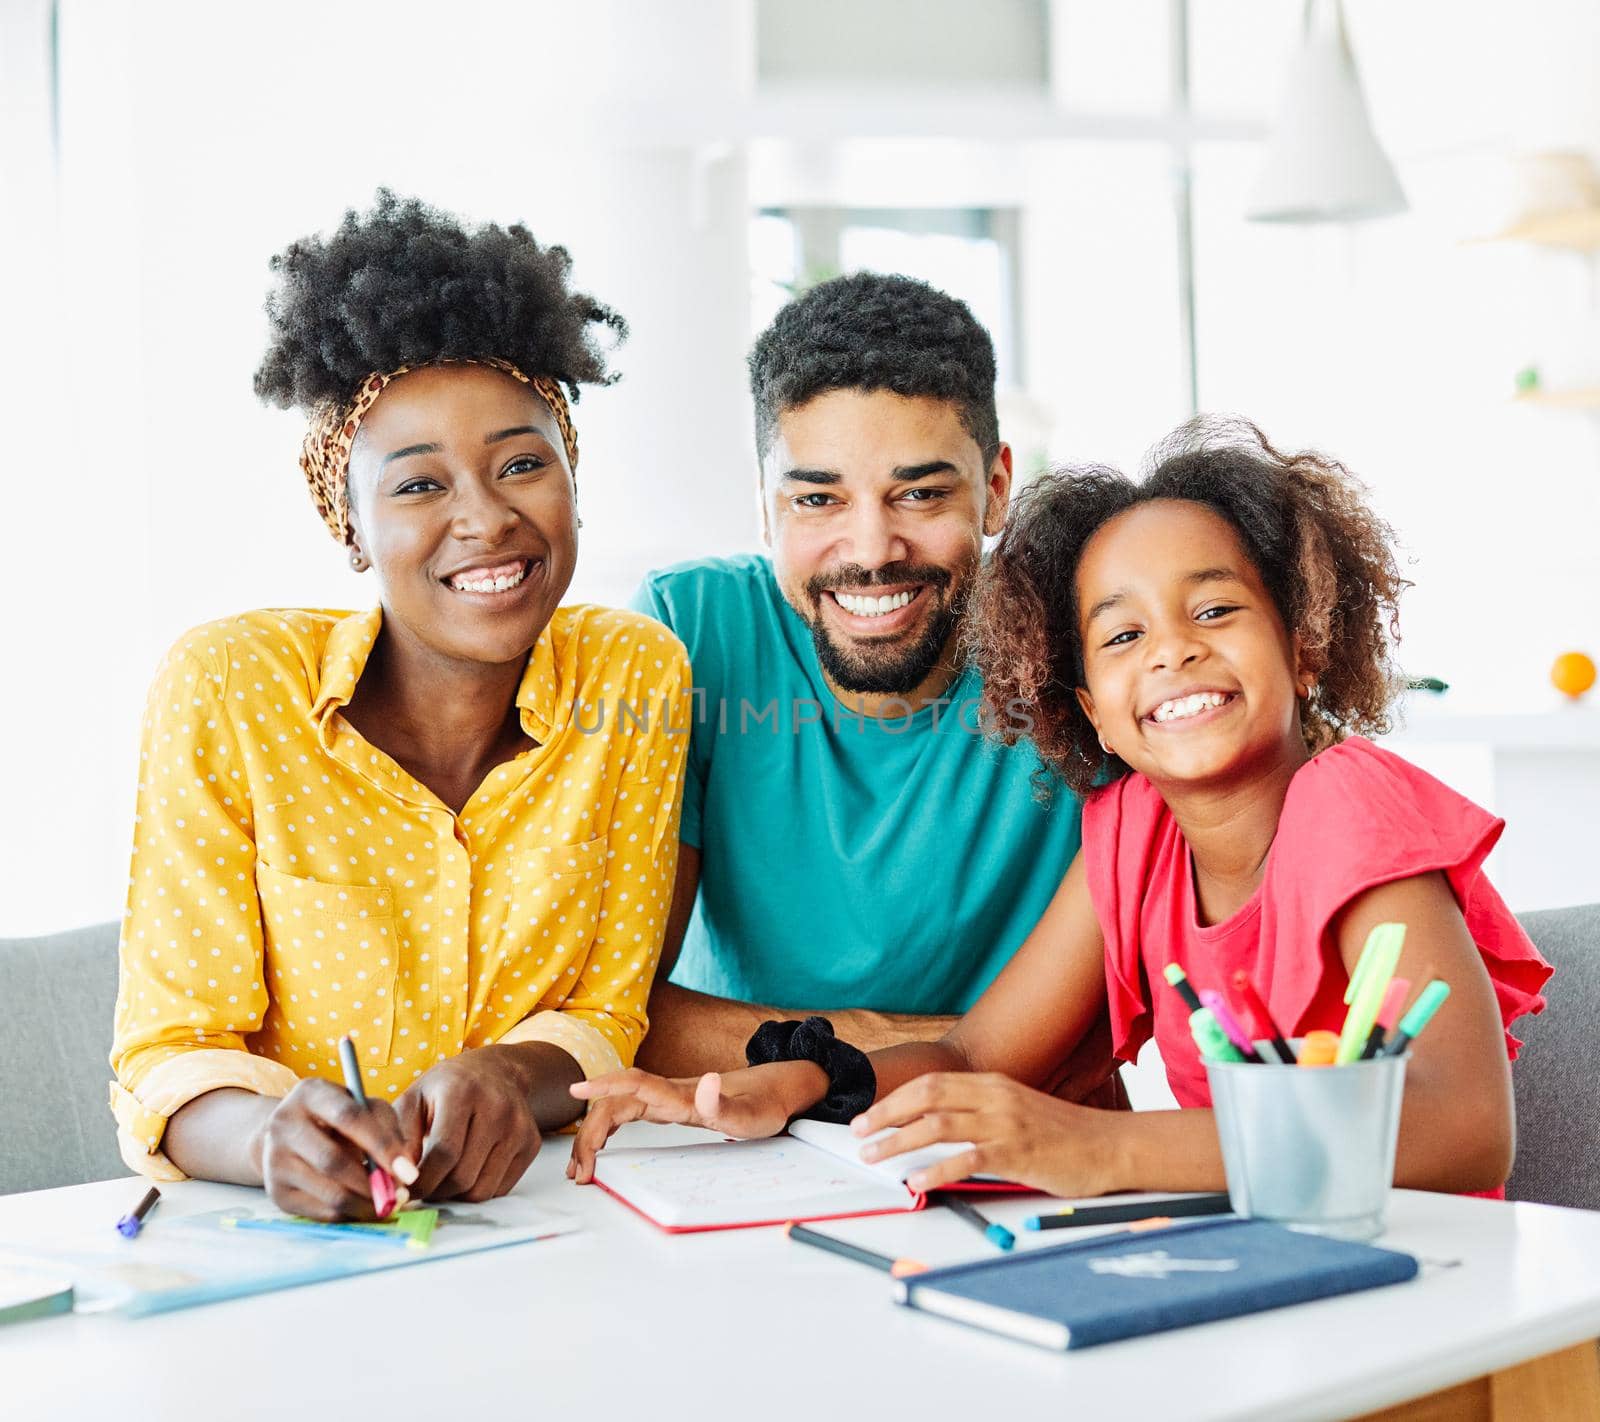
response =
{"points": [[1195, 707]]}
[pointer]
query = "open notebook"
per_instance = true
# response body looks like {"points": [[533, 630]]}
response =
{"points": [[813, 1173]]}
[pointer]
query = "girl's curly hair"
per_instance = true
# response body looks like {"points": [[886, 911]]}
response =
{"points": [[1326, 558]]}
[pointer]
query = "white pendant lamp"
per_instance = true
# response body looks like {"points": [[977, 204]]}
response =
{"points": [[1324, 163]]}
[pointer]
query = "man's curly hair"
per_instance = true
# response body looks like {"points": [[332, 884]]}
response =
{"points": [[405, 284], [873, 332], [1326, 559]]}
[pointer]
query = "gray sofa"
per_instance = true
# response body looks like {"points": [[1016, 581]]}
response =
{"points": [[57, 994], [1555, 1080]]}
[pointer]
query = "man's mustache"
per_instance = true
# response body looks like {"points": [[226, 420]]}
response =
{"points": [[852, 575]]}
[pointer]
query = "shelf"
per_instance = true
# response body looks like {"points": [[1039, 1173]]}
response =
{"points": [[1577, 231], [1560, 728], [1579, 398]]}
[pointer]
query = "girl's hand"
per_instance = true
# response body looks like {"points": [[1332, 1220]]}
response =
{"points": [[1017, 1134], [754, 1101], [476, 1114], [311, 1149]]}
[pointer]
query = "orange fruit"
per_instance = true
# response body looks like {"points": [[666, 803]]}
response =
{"points": [[1573, 674]]}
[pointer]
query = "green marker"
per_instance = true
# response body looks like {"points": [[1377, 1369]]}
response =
{"points": [[1211, 1039], [1373, 950], [1420, 1015], [1368, 984]]}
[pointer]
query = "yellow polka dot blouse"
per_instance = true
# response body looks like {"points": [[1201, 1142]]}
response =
{"points": [[291, 883]]}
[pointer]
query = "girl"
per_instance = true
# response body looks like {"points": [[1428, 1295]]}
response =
{"points": [[1200, 648], [395, 824]]}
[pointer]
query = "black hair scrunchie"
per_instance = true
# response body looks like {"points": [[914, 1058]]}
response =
{"points": [[852, 1083]]}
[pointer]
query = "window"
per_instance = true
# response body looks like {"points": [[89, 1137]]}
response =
{"points": [[969, 252]]}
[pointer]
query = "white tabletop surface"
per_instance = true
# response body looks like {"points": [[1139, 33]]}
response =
{"points": [[622, 1320]]}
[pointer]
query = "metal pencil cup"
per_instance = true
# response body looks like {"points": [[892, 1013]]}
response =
{"points": [[1311, 1147]]}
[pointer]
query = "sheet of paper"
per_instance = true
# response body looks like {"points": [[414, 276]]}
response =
{"points": [[27, 1294], [744, 1182], [841, 1142], [185, 1260]]}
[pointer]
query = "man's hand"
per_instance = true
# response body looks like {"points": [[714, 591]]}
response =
{"points": [[755, 1101], [475, 1114], [311, 1149], [692, 1032]]}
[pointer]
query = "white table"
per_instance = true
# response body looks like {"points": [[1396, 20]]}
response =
{"points": [[622, 1320]]}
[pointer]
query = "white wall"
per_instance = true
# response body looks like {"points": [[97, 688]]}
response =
{"points": [[1394, 345], [198, 139], [150, 491]]}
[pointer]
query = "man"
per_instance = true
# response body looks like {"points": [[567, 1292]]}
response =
{"points": [[851, 843]]}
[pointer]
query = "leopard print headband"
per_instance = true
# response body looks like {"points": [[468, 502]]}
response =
{"points": [[325, 455]]}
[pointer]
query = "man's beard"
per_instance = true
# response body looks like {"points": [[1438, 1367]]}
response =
{"points": [[889, 667]]}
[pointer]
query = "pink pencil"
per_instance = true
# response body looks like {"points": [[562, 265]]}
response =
{"points": [[383, 1195], [1394, 1001]]}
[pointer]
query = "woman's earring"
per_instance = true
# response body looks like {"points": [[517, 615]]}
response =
{"points": [[357, 562], [1103, 746]]}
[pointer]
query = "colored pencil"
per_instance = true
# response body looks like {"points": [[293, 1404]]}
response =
{"points": [[900, 1268], [383, 1195], [1080, 1216], [997, 1234], [1264, 1022], [132, 1222]]}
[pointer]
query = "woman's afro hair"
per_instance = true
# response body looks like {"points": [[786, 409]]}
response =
{"points": [[1326, 558], [405, 284]]}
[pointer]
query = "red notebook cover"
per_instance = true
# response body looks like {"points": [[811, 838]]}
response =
{"points": [[920, 1202]]}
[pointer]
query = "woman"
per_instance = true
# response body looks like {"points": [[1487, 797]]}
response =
{"points": [[423, 826]]}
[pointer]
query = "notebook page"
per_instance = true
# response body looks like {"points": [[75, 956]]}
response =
{"points": [[744, 1182], [840, 1142]]}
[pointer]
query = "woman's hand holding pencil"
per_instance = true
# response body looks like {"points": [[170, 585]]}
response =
{"points": [[313, 1150]]}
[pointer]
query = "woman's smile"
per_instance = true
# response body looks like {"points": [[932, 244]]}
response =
{"points": [[497, 584]]}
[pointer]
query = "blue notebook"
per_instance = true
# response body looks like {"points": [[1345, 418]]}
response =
{"points": [[1124, 1285]]}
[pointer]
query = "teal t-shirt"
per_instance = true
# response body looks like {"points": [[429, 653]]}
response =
{"points": [[845, 861]]}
